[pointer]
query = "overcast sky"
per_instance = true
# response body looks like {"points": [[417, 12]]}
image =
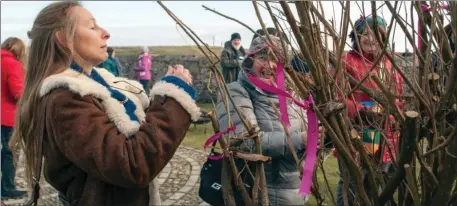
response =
{"points": [[136, 23]]}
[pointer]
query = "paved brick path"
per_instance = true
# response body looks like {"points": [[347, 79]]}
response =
{"points": [[179, 181]]}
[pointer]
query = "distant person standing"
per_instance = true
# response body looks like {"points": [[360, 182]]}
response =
{"points": [[112, 63], [13, 55], [143, 68], [118, 64], [231, 58]]}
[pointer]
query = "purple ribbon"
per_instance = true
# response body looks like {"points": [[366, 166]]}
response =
{"points": [[313, 128], [214, 138]]}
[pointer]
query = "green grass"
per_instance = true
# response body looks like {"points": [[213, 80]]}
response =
{"points": [[165, 50], [331, 172], [196, 137]]}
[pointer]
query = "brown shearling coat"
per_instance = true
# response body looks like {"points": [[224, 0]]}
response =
{"points": [[87, 158]]}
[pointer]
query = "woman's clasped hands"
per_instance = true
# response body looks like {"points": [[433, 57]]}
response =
{"points": [[180, 72]]}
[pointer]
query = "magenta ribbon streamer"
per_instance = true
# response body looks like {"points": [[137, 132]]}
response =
{"points": [[271, 89], [313, 131], [424, 8], [214, 138], [311, 151], [216, 157], [282, 99]]}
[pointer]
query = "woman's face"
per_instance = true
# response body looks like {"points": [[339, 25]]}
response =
{"points": [[263, 68], [368, 42], [236, 43], [90, 39]]}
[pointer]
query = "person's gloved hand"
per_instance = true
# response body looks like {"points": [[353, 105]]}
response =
{"points": [[180, 72]]}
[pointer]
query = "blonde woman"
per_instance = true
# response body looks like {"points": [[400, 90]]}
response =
{"points": [[103, 140]]}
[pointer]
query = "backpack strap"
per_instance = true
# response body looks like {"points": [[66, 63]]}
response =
{"points": [[39, 161]]}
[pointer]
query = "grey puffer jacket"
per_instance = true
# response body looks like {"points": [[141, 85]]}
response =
{"points": [[282, 173]]}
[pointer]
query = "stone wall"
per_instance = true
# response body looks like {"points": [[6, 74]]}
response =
{"points": [[406, 63], [199, 67]]}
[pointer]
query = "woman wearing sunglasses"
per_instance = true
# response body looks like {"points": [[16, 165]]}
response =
{"points": [[102, 138], [374, 125]]}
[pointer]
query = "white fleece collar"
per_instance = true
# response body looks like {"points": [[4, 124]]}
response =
{"points": [[163, 88], [83, 85]]}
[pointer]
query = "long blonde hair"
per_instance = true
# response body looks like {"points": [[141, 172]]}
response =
{"points": [[17, 47], [46, 57]]}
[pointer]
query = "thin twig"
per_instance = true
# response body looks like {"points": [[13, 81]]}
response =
{"points": [[403, 27], [231, 18], [444, 144]]}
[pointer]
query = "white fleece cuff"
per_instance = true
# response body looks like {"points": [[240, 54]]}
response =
{"points": [[163, 88]]}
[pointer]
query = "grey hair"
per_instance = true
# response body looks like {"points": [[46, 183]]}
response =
{"points": [[144, 49]]}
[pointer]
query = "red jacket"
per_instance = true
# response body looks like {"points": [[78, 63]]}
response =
{"points": [[353, 64], [12, 86]]}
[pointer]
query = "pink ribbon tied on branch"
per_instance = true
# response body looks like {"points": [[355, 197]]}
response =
{"points": [[427, 8], [214, 138], [313, 127]]}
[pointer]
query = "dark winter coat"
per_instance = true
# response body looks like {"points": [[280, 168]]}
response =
{"points": [[94, 153], [231, 62]]}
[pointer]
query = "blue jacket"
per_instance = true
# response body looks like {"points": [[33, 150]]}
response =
{"points": [[112, 65]]}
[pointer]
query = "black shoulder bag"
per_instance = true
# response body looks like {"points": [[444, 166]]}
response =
{"points": [[210, 189]]}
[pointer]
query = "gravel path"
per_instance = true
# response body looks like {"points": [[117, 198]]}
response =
{"points": [[179, 181]]}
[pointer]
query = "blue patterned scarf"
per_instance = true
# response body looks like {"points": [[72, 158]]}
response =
{"points": [[129, 106]]}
